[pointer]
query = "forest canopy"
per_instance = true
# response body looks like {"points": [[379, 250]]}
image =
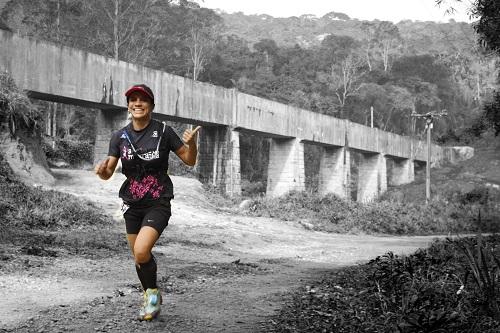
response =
{"points": [[333, 64]]}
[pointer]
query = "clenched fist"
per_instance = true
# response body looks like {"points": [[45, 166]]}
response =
{"points": [[100, 168]]}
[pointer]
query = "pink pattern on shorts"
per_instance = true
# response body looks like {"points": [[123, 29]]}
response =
{"points": [[148, 184]]}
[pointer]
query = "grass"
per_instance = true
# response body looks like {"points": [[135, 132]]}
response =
{"points": [[460, 194], [29, 208], [434, 290], [456, 214], [452, 286], [32, 216]]}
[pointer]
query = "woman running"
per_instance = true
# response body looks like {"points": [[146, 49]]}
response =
{"points": [[143, 146]]}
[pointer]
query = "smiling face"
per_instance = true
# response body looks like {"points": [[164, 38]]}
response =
{"points": [[140, 106]]}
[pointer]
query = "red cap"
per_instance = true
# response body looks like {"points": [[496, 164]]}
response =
{"points": [[142, 88]]}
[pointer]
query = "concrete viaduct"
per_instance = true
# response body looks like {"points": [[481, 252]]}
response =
{"points": [[57, 73]]}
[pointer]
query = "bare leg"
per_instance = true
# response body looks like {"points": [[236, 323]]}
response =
{"points": [[131, 241], [143, 243]]}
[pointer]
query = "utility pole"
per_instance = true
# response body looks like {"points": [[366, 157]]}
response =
{"points": [[429, 124], [371, 116]]}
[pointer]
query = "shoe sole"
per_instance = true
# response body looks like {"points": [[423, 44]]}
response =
{"points": [[150, 316]]}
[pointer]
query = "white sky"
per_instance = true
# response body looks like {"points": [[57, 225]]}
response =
{"points": [[386, 10]]}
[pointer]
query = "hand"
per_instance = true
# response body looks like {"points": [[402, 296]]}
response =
{"points": [[101, 168], [189, 136]]}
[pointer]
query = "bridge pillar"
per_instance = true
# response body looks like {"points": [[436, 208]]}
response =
{"points": [[219, 158], [334, 172], [107, 121], [286, 167], [402, 172], [372, 176]]}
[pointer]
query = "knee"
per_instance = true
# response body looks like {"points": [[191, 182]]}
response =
{"points": [[141, 255]]}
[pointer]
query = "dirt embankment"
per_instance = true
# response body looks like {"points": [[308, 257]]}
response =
{"points": [[25, 157], [219, 271]]}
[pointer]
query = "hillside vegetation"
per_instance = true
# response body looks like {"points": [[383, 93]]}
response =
{"points": [[29, 215], [450, 287], [333, 65], [310, 30], [465, 198]]}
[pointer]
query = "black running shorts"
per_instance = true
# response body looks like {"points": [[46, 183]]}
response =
{"points": [[155, 216]]}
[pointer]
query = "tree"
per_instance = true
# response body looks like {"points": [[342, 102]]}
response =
{"points": [[342, 68], [488, 25], [387, 36], [392, 106], [345, 79], [230, 61], [128, 26], [369, 30], [122, 29], [492, 113], [488, 29], [401, 105], [197, 50], [203, 29], [371, 95], [269, 49]]}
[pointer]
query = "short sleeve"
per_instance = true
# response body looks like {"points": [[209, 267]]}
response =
{"points": [[172, 139], [114, 145]]}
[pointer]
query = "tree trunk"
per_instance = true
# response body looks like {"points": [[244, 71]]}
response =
{"points": [[48, 120], [54, 120], [116, 22], [478, 84], [368, 62], [58, 20], [385, 56]]}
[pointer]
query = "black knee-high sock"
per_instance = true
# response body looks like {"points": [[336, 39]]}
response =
{"points": [[147, 273], [140, 275]]}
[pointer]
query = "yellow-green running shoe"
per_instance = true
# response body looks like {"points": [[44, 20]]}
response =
{"points": [[151, 307]]}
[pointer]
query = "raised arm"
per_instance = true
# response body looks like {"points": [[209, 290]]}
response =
{"points": [[187, 153]]}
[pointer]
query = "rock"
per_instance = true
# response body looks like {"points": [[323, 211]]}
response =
{"points": [[462, 153], [495, 186], [57, 163], [307, 225], [25, 158], [245, 204]]}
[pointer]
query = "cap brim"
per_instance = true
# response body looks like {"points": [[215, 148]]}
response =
{"points": [[141, 90]]}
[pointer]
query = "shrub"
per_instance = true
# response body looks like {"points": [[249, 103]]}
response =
{"points": [[74, 152], [15, 107], [457, 211], [25, 208], [492, 113], [433, 290]]}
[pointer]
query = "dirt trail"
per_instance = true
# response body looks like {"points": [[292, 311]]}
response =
{"points": [[220, 272]]}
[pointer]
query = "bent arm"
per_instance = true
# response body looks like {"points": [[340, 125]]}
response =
{"points": [[106, 168], [188, 152]]}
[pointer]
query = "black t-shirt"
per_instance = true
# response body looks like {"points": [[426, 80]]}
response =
{"points": [[144, 157]]}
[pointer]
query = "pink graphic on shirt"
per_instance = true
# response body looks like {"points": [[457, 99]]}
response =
{"points": [[124, 152], [148, 184]]}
